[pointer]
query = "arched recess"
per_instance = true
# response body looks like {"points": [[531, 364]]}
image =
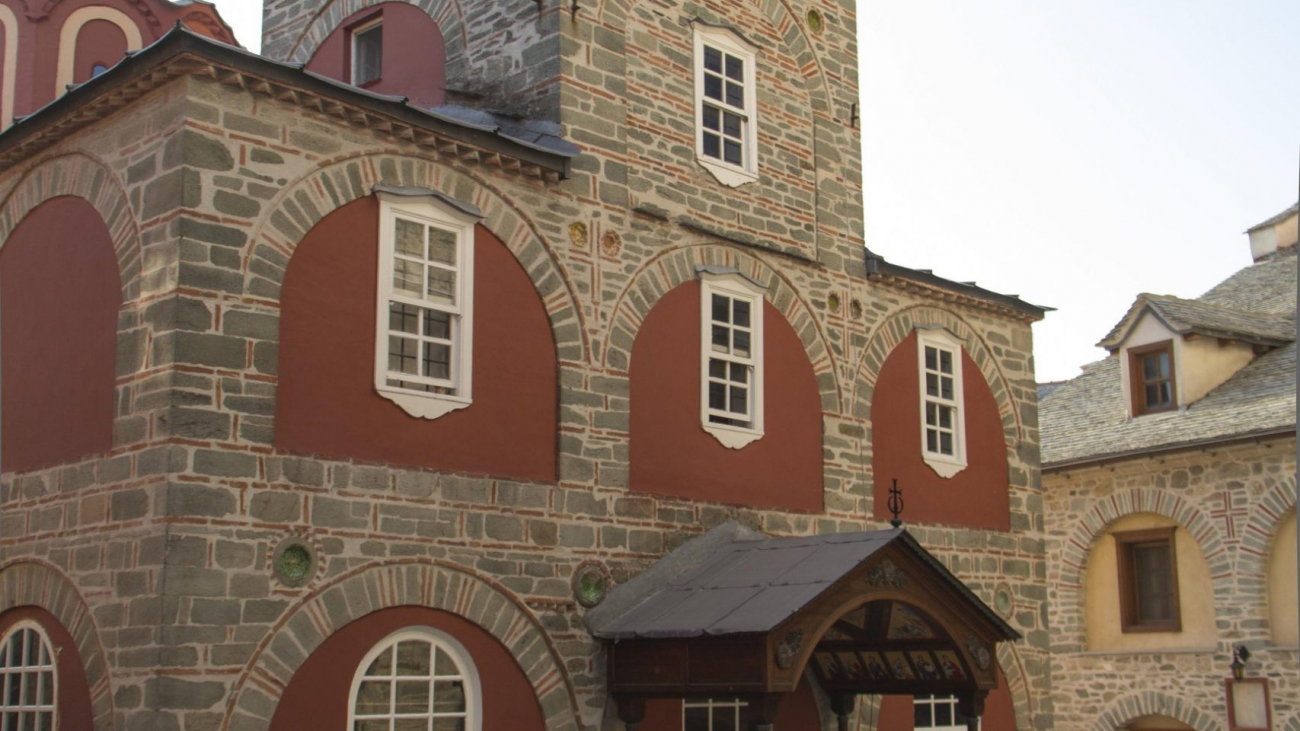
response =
{"points": [[1013, 671], [302, 204], [80, 176], [1152, 703], [413, 54], [26, 582], [8, 65], [1281, 580], [1093, 524], [1265, 515], [448, 14], [370, 588], [674, 266], [72, 27], [894, 329]]}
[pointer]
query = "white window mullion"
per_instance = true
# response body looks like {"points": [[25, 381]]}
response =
{"points": [[731, 359], [726, 139], [943, 432]]}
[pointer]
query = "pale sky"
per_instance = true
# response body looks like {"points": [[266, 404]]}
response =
{"points": [[1074, 153]]}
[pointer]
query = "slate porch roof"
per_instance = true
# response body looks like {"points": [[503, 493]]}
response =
{"points": [[1086, 418], [532, 147], [733, 580]]}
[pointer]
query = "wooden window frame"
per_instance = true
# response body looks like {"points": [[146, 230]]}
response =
{"points": [[1137, 385], [440, 642], [1125, 542], [361, 27], [737, 708], [728, 43], [736, 288], [28, 672], [455, 392], [944, 465]]}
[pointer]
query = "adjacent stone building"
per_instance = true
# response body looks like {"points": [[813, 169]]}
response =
{"points": [[1169, 480], [416, 334]]}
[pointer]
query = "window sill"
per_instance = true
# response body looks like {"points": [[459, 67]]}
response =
{"points": [[732, 437], [729, 175], [945, 468], [423, 406], [1131, 653]]}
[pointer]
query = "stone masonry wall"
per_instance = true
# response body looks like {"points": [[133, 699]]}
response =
{"points": [[168, 539], [1231, 499]]}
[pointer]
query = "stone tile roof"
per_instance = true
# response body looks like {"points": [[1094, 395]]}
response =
{"points": [[732, 580], [1086, 418], [1204, 318]]}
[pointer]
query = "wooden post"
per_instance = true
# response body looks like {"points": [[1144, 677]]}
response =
{"points": [[631, 711], [762, 710], [842, 704], [971, 705]]}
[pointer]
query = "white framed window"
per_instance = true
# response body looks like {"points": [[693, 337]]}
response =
{"points": [[416, 678], [713, 714], [943, 431], [937, 713], [731, 344], [424, 313], [367, 52], [726, 123], [28, 681]]}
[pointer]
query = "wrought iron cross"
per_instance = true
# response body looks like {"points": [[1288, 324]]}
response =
{"points": [[895, 504]]}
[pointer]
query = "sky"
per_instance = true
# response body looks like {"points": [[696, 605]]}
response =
{"points": [[1075, 153]]}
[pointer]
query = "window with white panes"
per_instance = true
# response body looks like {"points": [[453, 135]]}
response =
{"points": [[726, 127], [28, 685], [942, 427], [424, 309], [937, 713], [368, 52], [416, 679], [713, 714], [732, 346]]}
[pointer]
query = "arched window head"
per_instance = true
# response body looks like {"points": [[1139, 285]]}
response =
{"points": [[28, 685], [416, 678]]}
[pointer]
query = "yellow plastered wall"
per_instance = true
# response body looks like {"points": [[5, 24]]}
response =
{"points": [[1283, 617], [1101, 592], [1157, 723]]}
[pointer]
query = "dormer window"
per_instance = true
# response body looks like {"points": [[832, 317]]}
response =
{"points": [[368, 52], [1151, 368]]}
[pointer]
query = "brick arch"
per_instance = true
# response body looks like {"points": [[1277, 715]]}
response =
{"points": [[27, 582], [448, 14], [1013, 671], [1265, 515], [432, 584], [1293, 724], [894, 329], [660, 274], [79, 176], [1092, 525], [1152, 703], [302, 204]]}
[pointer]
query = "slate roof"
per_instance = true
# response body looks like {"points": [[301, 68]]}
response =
{"points": [[877, 266], [1205, 318], [737, 581], [1086, 418], [529, 141]]}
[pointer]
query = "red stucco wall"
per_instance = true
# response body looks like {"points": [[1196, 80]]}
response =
{"points": [[975, 497], [797, 712], [671, 454], [99, 42], [999, 712], [73, 702], [327, 404], [317, 697], [38, 39], [414, 63], [59, 295]]}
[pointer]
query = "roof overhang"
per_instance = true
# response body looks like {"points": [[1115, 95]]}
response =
{"points": [[181, 52], [927, 283], [866, 613]]}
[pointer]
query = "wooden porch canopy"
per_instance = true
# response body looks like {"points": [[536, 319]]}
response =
{"points": [[734, 613]]}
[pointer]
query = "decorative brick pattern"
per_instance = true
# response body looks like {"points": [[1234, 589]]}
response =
{"points": [[1257, 480], [311, 621], [35, 584]]}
